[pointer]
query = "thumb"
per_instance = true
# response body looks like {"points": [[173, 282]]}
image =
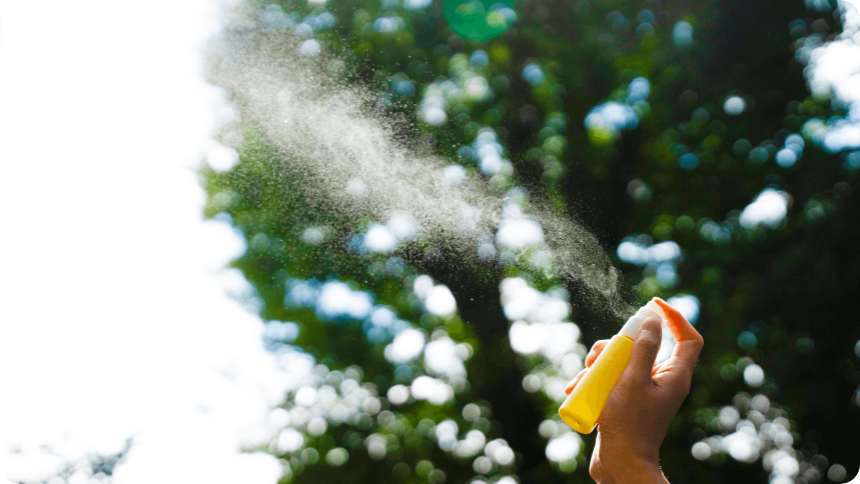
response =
{"points": [[645, 348]]}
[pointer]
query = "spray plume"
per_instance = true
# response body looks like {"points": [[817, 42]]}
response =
{"points": [[352, 161]]}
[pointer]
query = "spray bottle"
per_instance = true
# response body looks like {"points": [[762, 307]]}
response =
{"points": [[583, 406]]}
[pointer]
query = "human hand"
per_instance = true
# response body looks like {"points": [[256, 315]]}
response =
{"points": [[641, 405]]}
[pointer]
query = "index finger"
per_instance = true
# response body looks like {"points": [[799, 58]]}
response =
{"points": [[690, 342], [681, 329]]}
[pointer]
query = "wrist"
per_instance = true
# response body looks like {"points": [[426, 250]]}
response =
{"points": [[628, 472]]}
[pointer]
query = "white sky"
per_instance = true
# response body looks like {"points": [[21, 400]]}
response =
{"points": [[112, 321]]}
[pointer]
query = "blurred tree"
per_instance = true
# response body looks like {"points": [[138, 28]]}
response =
{"points": [[681, 134]]}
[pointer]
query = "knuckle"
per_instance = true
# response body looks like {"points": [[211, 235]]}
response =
{"points": [[594, 469], [697, 344]]}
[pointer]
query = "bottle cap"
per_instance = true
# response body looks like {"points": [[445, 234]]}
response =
{"points": [[646, 311]]}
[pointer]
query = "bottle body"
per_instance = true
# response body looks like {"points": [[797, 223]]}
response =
{"points": [[583, 406]]}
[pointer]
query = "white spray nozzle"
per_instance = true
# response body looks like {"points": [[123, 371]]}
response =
{"points": [[657, 309], [646, 311]]}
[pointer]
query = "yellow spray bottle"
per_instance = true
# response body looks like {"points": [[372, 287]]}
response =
{"points": [[583, 406]]}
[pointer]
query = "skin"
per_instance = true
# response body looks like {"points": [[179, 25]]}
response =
{"points": [[641, 405]]}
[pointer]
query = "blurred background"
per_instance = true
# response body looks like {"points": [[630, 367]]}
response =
{"points": [[179, 303]]}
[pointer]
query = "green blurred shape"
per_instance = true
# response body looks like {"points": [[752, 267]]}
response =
{"points": [[479, 19]]}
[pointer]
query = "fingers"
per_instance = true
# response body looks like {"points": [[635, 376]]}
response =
{"points": [[570, 386], [690, 342], [595, 352], [646, 345], [681, 329]]}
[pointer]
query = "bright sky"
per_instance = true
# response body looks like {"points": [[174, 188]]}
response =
{"points": [[114, 321]]}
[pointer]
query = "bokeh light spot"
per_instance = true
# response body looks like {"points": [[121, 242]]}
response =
{"points": [[836, 473], [734, 106], [754, 375]]}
